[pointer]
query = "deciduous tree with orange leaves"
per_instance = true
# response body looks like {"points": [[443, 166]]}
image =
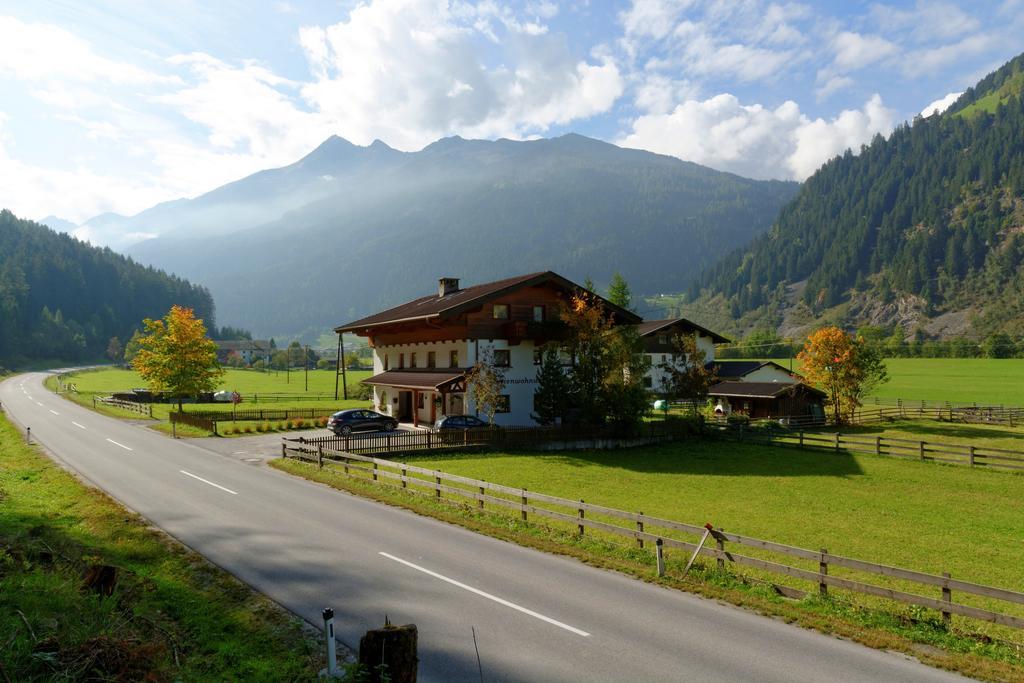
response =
{"points": [[844, 366], [176, 357]]}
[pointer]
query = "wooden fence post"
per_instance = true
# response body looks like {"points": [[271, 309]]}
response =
{"points": [[320, 457], [878, 445], [524, 501], [579, 527], [837, 442], [823, 571], [920, 450], [801, 438], [720, 542], [437, 486], [947, 596], [640, 528], [970, 456]]}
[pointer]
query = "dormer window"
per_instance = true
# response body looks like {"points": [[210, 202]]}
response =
{"points": [[663, 339], [500, 312]]}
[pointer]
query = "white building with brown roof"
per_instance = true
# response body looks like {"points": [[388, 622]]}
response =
{"points": [[422, 349]]}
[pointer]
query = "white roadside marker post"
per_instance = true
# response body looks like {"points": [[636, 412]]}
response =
{"points": [[332, 660], [660, 555]]}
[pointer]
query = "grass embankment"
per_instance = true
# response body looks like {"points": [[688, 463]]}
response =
{"points": [[171, 615], [922, 516], [250, 383]]}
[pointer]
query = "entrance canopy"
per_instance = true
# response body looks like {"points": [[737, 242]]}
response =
{"points": [[446, 380]]}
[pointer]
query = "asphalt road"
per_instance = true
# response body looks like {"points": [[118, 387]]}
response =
{"points": [[537, 617]]}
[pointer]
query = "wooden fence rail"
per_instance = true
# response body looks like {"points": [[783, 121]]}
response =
{"points": [[962, 454], [640, 528], [260, 414], [144, 409]]}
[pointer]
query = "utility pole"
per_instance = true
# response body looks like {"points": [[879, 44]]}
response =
{"points": [[305, 365], [337, 369]]}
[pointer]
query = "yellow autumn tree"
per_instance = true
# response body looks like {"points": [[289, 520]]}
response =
{"points": [[846, 367], [176, 357]]}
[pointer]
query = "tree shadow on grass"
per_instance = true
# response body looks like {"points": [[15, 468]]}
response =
{"points": [[698, 457]]}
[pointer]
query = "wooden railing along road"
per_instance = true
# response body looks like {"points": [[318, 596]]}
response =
{"points": [[144, 409], [820, 569]]}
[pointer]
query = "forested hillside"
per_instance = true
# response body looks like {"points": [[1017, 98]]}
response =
{"points": [[377, 226], [923, 229], [64, 299]]}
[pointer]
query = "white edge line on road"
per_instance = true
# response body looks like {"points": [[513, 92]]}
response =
{"points": [[78, 425], [54, 411], [118, 444], [205, 481], [495, 598]]}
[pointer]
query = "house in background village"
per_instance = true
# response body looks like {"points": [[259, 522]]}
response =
{"points": [[422, 349], [249, 350], [658, 340]]}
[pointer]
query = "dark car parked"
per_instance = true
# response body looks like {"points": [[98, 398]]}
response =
{"points": [[348, 421], [459, 422]]}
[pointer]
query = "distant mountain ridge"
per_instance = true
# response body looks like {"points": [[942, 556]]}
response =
{"points": [[922, 231], [347, 230]]}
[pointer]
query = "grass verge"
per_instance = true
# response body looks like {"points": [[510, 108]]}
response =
{"points": [[170, 615], [912, 631]]}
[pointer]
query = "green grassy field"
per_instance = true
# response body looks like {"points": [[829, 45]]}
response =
{"points": [[924, 516], [988, 381], [171, 616], [251, 384]]}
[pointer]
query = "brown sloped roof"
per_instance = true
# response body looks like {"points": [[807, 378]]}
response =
{"points": [[417, 379], [651, 326], [467, 298], [734, 369], [758, 389]]}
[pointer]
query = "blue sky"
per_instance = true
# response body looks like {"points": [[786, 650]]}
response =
{"points": [[118, 105]]}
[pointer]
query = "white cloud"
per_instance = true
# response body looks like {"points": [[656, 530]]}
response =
{"points": [[855, 51], [411, 71], [931, 60], [941, 104], [832, 85], [77, 194], [755, 141], [927, 20], [652, 18], [41, 52]]}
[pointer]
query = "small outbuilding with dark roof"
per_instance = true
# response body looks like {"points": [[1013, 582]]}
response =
{"points": [[768, 399]]}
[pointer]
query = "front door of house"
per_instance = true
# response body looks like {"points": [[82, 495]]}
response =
{"points": [[405, 405]]}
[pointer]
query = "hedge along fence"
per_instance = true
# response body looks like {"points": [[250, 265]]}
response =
{"points": [[555, 438], [972, 456], [812, 570], [262, 414]]}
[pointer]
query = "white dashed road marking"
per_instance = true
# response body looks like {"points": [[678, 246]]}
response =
{"points": [[207, 481], [119, 444], [495, 598], [78, 425]]}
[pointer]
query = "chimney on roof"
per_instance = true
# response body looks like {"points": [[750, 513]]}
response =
{"points": [[447, 285]]}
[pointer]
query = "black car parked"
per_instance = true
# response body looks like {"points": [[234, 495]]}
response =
{"points": [[459, 422], [348, 421]]}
